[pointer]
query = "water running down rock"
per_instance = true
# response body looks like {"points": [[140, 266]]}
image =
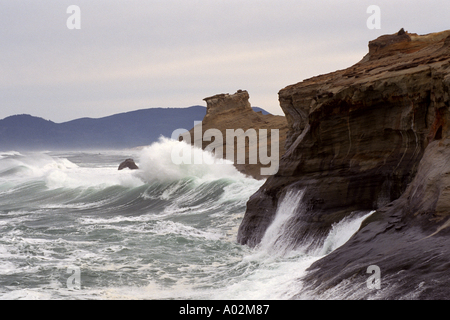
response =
{"points": [[359, 139]]}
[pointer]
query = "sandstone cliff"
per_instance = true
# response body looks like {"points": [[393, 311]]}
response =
{"points": [[225, 112], [371, 137]]}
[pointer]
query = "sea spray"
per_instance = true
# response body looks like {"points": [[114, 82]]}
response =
{"points": [[59, 172], [274, 269], [162, 234], [159, 232], [156, 164], [276, 240], [342, 231]]}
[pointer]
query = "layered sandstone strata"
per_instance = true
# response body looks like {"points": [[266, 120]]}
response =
{"points": [[357, 138], [233, 112]]}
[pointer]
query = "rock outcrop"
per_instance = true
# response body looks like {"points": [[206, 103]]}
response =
{"points": [[129, 163], [232, 112], [408, 239], [356, 142]]}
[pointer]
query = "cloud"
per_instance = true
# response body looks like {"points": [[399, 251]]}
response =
{"points": [[134, 54]]}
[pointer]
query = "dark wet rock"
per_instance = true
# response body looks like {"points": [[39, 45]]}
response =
{"points": [[357, 136], [409, 240], [374, 136], [129, 163]]}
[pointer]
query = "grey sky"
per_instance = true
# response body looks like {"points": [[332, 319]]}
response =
{"points": [[138, 54]]}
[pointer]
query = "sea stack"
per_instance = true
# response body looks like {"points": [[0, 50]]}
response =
{"points": [[234, 111], [376, 137], [224, 102]]}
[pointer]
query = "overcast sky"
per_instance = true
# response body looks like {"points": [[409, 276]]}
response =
{"points": [[139, 54]]}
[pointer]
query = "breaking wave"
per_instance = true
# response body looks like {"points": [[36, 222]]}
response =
{"points": [[165, 231]]}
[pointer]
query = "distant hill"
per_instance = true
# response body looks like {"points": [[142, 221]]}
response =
{"points": [[124, 130]]}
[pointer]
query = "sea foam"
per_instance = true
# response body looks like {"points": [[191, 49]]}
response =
{"points": [[156, 163]]}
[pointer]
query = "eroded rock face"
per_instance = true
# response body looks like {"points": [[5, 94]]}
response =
{"points": [[222, 103], [357, 135], [232, 112], [408, 240], [357, 141]]}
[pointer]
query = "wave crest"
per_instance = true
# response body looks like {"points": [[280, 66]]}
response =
{"points": [[156, 163]]}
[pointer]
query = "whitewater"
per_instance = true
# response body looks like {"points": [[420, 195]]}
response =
{"points": [[165, 231]]}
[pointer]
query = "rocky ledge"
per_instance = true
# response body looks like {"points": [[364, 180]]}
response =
{"points": [[374, 136], [232, 112]]}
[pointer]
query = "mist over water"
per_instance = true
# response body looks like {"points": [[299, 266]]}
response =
{"points": [[161, 232]]}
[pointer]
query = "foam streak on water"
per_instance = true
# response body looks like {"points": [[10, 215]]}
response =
{"points": [[162, 232]]}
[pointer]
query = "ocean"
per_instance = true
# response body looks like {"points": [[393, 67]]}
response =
{"points": [[74, 227]]}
